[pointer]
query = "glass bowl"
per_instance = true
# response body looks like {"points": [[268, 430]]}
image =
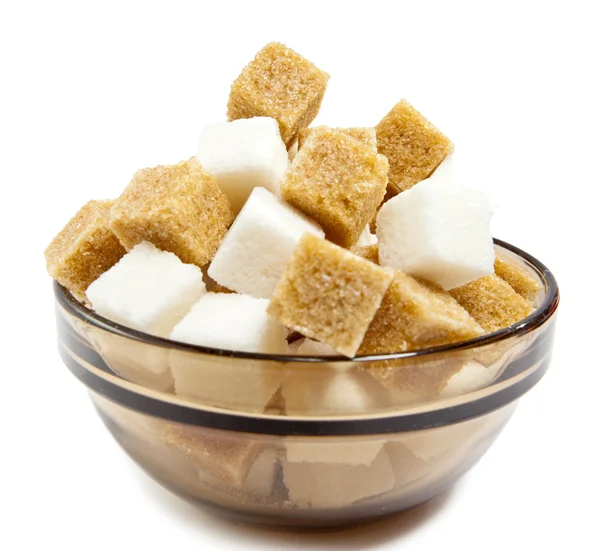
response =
{"points": [[298, 442]]}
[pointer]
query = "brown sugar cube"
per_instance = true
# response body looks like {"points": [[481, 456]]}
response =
{"points": [[225, 457], [370, 252], [329, 294], [518, 277], [416, 380], [338, 182], [281, 84], [492, 302], [414, 315], [84, 249], [363, 135], [178, 208], [413, 146]]}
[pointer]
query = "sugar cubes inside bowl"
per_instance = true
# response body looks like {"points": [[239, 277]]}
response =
{"points": [[278, 321], [287, 246]]}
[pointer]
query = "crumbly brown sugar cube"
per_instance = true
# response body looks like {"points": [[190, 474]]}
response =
{"points": [[492, 302], [413, 146], [179, 208], [84, 249], [225, 457], [329, 294], [414, 315], [281, 84], [518, 277], [366, 136], [338, 182], [369, 252]]}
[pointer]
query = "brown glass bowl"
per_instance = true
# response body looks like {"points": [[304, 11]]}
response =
{"points": [[306, 442]]}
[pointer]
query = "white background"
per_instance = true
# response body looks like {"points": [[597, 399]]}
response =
{"points": [[90, 92]]}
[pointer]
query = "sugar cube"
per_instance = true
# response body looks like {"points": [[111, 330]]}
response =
{"points": [[320, 390], [243, 154], [517, 276], [334, 450], [409, 470], [413, 381], [472, 376], [492, 302], [338, 182], [364, 135], [316, 485], [262, 477], [148, 289], [179, 208], [258, 245], [369, 252], [413, 146], [281, 84], [329, 294], [315, 389], [323, 389], [415, 314], [230, 322], [84, 249], [227, 457], [438, 231], [366, 238], [135, 361], [292, 151], [445, 170]]}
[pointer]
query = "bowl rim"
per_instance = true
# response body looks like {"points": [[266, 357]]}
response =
{"points": [[531, 322], [88, 366]]}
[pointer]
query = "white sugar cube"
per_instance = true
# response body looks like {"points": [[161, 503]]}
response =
{"points": [[261, 478], [242, 155], [316, 390], [439, 231], [135, 361], [315, 485], [313, 389], [445, 170], [350, 452], [366, 238], [259, 244], [472, 376], [230, 322], [148, 289]]}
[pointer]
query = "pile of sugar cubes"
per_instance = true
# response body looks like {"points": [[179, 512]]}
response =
{"points": [[266, 232], [239, 245]]}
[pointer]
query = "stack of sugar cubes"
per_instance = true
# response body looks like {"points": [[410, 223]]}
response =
{"points": [[288, 246], [237, 246]]}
